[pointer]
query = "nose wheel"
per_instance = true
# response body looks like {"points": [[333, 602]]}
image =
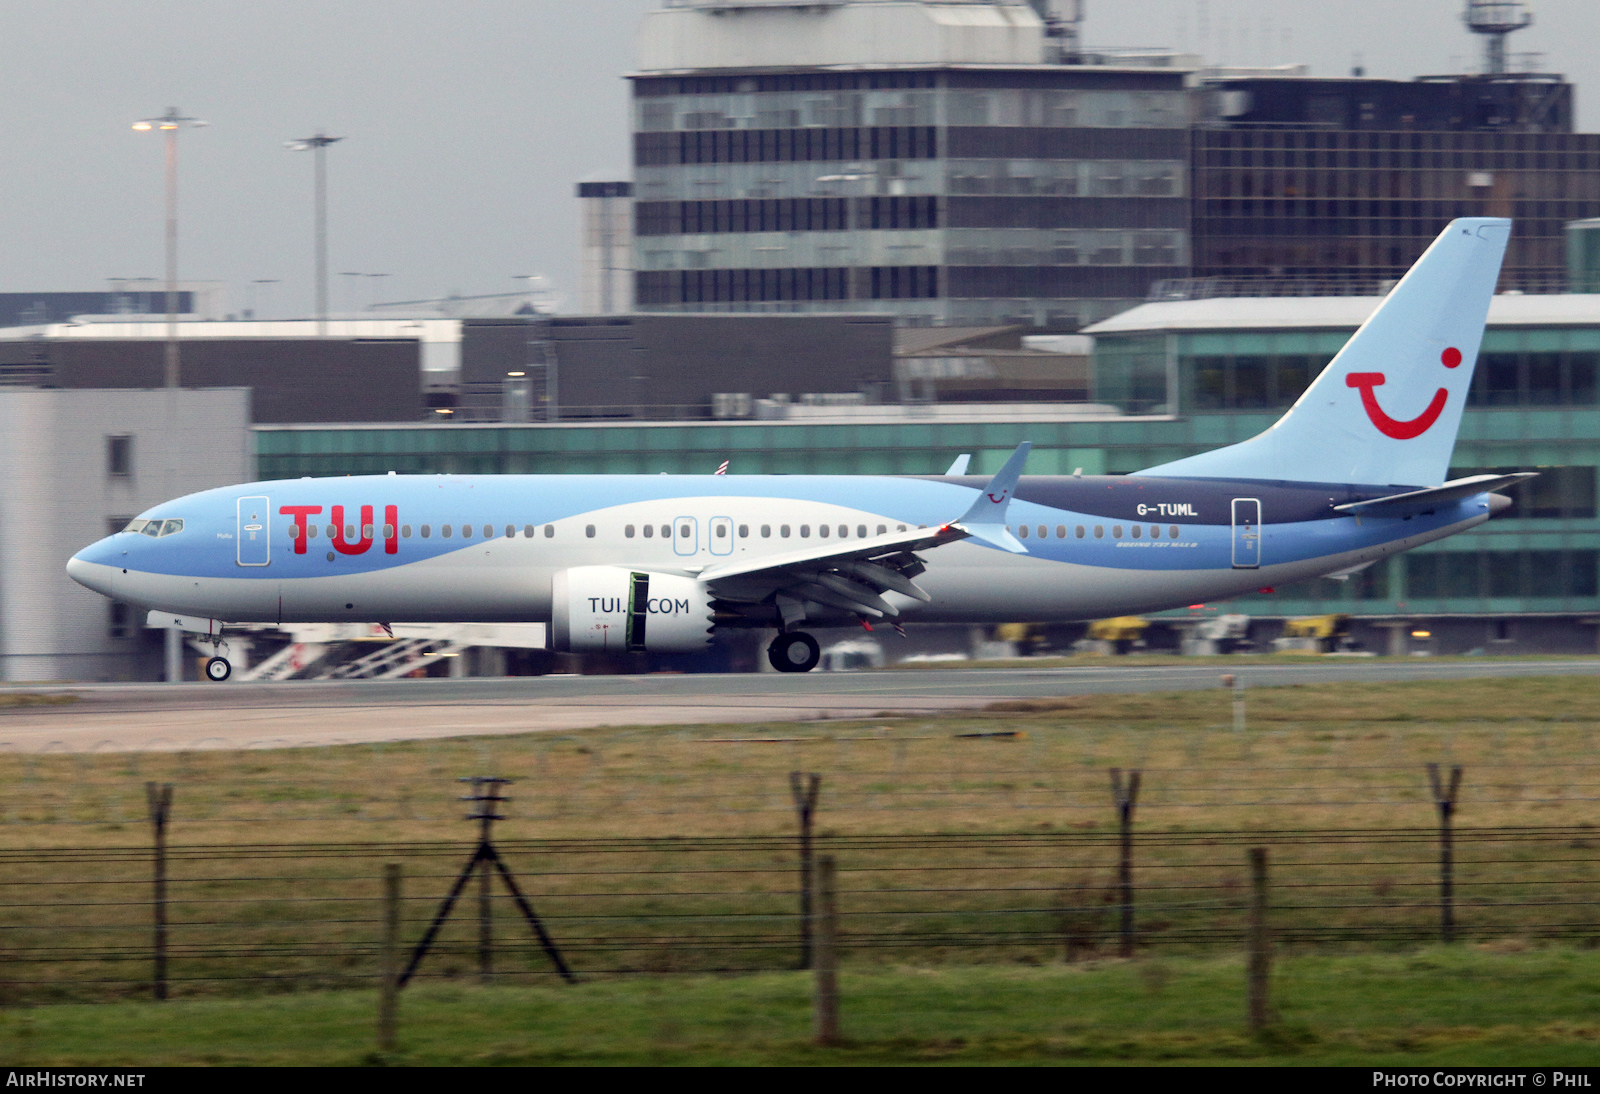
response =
{"points": [[218, 669], [794, 651]]}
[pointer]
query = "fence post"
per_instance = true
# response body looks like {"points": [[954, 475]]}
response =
{"points": [[1231, 682], [389, 961], [1260, 940], [804, 788], [1445, 798], [159, 801], [825, 1017], [1125, 796]]}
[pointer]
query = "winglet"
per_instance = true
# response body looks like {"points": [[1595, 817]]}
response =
{"points": [[959, 467], [985, 519]]}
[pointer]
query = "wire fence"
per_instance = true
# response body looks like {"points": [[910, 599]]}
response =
{"points": [[80, 923]]}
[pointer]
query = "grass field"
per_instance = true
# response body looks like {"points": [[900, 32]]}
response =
{"points": [[1442, 1007], [1314, 757]]}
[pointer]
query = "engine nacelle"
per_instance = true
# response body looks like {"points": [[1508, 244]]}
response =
{"points": [[618, 610]]}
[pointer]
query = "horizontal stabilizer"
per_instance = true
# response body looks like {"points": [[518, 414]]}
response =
{"points": [[959, 465], [1420, 501]]}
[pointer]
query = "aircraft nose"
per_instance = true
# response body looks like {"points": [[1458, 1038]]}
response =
{"points": [[91, 574]]}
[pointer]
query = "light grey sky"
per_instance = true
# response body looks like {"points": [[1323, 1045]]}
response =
{"points": [[467, 125]]}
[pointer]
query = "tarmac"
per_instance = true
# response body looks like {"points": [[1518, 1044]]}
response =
{"points": [[180, 717]]}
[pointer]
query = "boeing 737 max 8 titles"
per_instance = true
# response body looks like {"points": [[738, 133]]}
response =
{"points": [[1354, 472]]}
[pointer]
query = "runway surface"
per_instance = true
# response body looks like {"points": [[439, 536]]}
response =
{"points": [[162, 717]]}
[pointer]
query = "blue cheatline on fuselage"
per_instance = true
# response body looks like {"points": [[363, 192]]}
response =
{"points": [[1297, 521]]}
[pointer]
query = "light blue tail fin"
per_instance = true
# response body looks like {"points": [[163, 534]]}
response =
{"points": [[1387, 408]]}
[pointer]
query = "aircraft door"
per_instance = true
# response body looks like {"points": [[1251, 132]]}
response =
{"points": [[1246, 533], [719, 536], [685, 536], [254, 531]]}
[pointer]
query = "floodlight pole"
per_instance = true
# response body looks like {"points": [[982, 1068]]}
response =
{"points": [[169, 124], [318, 145]]}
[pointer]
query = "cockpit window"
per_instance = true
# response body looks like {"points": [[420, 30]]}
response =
{"points": [[154, 528]]}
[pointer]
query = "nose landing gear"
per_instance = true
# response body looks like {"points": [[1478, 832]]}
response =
{"points": [[217, 667], [794, 651]]}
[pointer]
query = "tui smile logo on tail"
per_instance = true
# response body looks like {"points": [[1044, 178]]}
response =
{"points": [[1365, 382]]}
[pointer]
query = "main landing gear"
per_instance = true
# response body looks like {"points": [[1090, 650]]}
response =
{"points": [[794, 651]]}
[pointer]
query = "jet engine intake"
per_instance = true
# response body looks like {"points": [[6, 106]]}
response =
{"points": [[618, 610]]}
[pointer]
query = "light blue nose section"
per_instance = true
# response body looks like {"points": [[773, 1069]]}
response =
{"points": [[93, 568]]}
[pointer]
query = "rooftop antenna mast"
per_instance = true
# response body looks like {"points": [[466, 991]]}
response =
{"points": [[1494, 19]]}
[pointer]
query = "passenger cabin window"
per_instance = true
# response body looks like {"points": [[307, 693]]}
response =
{"points": [[649, 531], [589, 531], [488, 531], [405, 531], [445, 530], [627, 530], [822, 530], [466, 531], [1172, 533], [722, 531], [427, 530], [527, 531], [805, 531], [549, 531], [766, 531]]}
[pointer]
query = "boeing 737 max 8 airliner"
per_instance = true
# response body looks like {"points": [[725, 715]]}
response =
{"points": [[1352, 473]]}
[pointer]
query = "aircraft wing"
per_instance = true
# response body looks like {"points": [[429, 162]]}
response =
{"points": [[853, 575]]}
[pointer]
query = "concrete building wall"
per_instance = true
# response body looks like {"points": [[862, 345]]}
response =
{"points": [[293, 380], [59, 491], [876, 32]]}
